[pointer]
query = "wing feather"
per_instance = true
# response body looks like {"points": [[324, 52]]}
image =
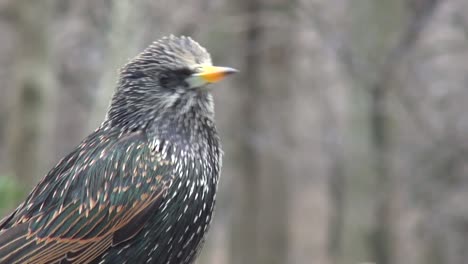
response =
{"points": [[97, 197]]}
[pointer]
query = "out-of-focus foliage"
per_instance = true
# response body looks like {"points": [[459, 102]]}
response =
{"points": [[11, 191]]}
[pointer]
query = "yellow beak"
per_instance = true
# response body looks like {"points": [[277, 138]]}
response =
{"points": [[209, 74]]}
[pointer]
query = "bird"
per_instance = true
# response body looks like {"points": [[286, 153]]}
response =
{"points": [[142, 187]]}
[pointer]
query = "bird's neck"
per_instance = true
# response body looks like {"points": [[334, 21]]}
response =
{"points": [[183, 119], [187, 128]]}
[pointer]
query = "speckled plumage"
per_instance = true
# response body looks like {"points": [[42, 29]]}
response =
{"points": [[141, 188]]}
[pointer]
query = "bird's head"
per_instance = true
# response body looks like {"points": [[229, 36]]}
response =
{"points": [[169, 77]]}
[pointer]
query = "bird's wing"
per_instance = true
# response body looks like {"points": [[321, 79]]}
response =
{"points": [[98, 196]]}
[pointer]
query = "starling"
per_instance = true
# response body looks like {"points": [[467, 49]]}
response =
{"points": [[141, 188]]}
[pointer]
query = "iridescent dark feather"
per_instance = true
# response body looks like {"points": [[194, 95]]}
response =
{"points": [[142, 187], [96, 197]]}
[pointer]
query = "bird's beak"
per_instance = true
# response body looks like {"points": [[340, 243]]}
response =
{"points": [[209, 74]]}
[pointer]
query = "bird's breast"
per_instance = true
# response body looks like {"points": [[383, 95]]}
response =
{"points": [[176, 230]]}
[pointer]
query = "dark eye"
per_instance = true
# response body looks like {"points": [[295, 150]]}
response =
{"points": [[165, 81], [184, 72], [174, 78]]}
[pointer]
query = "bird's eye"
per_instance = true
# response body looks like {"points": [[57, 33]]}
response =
{"points": [[174, 78], [184, 72], [165, 81]]}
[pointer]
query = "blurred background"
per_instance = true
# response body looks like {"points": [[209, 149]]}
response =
{"points": [[345, 132]]}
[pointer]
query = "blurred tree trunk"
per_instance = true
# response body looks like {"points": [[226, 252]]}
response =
{"points": [[376, 26], [34, 90], [8, 50], [78, 30], [244, 233], [261, 223], [273, 116], [385, 235], [332, 133], [123, 43], [383, 45]]}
